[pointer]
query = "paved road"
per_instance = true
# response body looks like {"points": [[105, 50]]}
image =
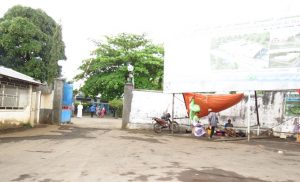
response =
{"points": [[97, 150]]}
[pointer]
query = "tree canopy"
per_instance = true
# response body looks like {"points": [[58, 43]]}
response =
{"points": [[106, 72], [31, 43]]}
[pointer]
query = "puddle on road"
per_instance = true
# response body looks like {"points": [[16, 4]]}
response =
{"points": [[150, 140], [213, 175], [165, 179], [26, 177], [126, 174], [22, 177], [41, 151]]}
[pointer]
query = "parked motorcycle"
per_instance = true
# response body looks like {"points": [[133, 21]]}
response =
{"points": [[165, 123]]}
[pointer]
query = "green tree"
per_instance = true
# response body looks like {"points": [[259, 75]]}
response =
{"points": [[106, 72], [31, 43], [117, 106]]}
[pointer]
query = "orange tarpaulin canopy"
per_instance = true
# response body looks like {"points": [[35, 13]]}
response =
{"points": [[216, 103]]}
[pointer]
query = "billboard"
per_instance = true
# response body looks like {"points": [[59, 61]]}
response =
{"points": [[262, 55]]}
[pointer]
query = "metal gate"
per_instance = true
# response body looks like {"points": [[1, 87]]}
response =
{"points": [[66, 112]]}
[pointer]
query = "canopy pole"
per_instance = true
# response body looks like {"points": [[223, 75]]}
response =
{"points": [[257, 114], [248, 115], [172, 118]]}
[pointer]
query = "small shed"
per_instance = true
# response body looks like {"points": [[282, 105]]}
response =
{"points": [[19, 100]]}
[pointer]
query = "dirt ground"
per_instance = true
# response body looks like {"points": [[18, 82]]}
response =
{"points": [[96, 149]]}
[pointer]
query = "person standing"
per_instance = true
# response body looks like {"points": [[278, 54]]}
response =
{"points": [[92, 110], [97, 111], [72, 109], [79, 110], [213, 122], [103, 110]]}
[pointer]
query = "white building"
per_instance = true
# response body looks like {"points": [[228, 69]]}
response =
{"points": [[19, 100]]}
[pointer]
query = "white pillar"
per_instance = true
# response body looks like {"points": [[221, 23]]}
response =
{"points": [[30, 105], [38, 106], [172, 119], [248, 115]]}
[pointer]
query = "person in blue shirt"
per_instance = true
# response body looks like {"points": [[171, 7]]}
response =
{"points": [[92, 110], [229, 131], [228, 124]]}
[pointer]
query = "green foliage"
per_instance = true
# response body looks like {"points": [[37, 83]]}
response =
{"points": [[31, 43], [85, 105], [117, 105], [26, 125], [106, 72], [75, 92]]}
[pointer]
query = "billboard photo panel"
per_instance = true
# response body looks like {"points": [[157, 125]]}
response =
{"points": [[263, 55]]}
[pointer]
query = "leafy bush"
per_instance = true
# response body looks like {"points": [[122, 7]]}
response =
{"points": [[117, 106]]}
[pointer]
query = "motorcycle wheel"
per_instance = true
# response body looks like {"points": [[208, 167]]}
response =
{"points": [[175, 125], [157, 128]]}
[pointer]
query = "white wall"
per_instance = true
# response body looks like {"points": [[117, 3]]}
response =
{"points": [[15, 116], [11, 117], [27, 115], [270, 109], [47, 101], [148, 104]]}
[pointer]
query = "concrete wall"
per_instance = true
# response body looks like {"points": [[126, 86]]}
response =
{"points": [[148, 104], [57, 100], [46, 110], [43, 107], [47, 100], [271, 105], [270, 109], [13, 118]]}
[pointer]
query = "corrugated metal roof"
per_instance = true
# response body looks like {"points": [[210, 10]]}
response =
{"points": [[17, 75]]}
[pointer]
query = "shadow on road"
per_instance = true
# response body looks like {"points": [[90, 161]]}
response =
{"points": [[65, 132]]}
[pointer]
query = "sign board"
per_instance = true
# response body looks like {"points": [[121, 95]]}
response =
{"points": [[292, 104], [262, 55]]}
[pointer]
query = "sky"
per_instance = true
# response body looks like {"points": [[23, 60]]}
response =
{"points": [[86, 20]]}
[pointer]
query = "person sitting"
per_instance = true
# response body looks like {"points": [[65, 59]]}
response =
{"points": [[229, 131], [198, 129], [193, 117], [166, 116], [228, 124]]}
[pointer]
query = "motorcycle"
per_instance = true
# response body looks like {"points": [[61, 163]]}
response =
{"points": [[165, 122]]}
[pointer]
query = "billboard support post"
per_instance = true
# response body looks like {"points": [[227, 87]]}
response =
{"points": [[248, 115]]}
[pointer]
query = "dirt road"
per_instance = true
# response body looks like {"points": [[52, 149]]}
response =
{"points": [[98, 150]]}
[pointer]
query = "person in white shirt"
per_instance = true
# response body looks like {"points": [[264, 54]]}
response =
{"points": [[79, 110]]}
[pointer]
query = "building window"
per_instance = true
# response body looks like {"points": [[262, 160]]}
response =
{"points": [[13, 96]]}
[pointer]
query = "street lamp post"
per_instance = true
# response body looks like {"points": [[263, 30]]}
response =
{"points": [[60, 64], [130, 78], [128, 89]]}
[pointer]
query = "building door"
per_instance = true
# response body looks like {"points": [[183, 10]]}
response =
{"points": [[66, 112]]}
